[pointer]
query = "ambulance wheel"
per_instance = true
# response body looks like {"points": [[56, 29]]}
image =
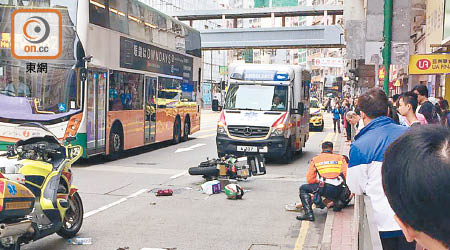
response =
{"points": [[299, 152], [321, 128], [287, 156], [74, 218]]}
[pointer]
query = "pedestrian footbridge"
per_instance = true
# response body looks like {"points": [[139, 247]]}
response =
{"points": [[320, 36], [329, 36]]}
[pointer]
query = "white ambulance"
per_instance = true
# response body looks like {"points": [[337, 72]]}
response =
{"points": [[266, 111]]}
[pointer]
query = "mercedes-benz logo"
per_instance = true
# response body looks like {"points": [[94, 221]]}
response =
{"points": [[247, 131]]}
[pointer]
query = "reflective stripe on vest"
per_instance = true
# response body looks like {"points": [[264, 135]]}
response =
{"points": [[329, 169]]}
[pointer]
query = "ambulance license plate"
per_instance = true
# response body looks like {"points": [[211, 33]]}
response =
{"points": [[251, 149]]}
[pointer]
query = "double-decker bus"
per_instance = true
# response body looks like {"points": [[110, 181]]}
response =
{"points": [[127, 76]]}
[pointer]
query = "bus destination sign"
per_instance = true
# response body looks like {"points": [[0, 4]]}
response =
{"points": [[142, 56]]}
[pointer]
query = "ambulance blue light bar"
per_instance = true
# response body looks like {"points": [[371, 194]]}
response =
{"points": [[261, 76]]}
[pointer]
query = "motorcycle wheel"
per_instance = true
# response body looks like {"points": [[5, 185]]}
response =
{"points": [[74, 218]]}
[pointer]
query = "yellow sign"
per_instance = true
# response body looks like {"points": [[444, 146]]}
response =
{"points": [[429, 64], [397, 83], [381, 73], [5, 42]]}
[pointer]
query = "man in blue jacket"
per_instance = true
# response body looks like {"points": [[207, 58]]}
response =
{"points": [[366, 159]]}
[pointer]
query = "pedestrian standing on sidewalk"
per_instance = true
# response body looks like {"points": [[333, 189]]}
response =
{"points": [[348, 126], [407, 105], [426, 107], [353, 120], [366, 158], [420, 197], [336, 117]]}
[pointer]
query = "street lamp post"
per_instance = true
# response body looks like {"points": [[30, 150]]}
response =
{"points": [[387, 34]]}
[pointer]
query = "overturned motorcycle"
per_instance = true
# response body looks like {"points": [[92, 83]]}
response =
{"points": [[37, 197], [231, 167]]}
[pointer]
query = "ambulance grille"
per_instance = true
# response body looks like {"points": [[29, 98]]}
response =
{"points": [[248, 131]]}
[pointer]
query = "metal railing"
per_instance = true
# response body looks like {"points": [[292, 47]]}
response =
{"points": [[368, 236]]}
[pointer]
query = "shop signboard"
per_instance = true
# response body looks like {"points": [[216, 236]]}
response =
{"points": [[381, 73], [330, 62], [432, 64]]}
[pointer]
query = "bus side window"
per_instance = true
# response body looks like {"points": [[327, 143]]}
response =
{"points": [[115, 92], [136, 90], [118, 15], [136, 19], [98, 13]]}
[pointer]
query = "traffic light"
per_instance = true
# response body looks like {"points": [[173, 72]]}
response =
{"points": [[223, 85]]}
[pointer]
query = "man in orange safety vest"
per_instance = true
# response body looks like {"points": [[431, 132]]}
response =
{"points": [[325, 177]]}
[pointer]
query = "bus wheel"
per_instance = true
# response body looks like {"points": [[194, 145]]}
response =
{"points": [[186, 130], [115, 144], [176, 132]]}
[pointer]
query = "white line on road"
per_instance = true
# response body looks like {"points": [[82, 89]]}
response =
{"points": [[98, 210], [178, 175], [189, 148]]}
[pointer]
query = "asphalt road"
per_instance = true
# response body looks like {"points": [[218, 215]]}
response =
{"points": [[122, 211]]}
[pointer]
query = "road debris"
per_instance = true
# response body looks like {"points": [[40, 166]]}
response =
{"points": [[164, 192], [211, 187], [80, 241]]}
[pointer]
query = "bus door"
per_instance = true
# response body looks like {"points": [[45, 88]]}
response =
{"points": [[150, 109], [96, 111]]}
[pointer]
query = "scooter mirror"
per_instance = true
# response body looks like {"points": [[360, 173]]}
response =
{"points": [[70, 139]]}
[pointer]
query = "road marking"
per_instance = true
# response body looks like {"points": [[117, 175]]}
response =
{"points": [[336, 137], [190, 148], [206, 136], [98, 210], [302, 235], [328, 137], [178, 175], [156, 248], [131, 170]]}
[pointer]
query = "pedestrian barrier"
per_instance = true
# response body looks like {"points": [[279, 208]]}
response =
{"points": [[368, 236]]}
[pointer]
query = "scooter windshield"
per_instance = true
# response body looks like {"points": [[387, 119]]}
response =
{"points": [[32, 130]]}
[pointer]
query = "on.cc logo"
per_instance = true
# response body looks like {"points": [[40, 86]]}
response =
{"points": [[36, 29], [36, 34]]}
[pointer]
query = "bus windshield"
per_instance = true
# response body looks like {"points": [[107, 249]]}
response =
{"points": [[257, 97], [40, 89], [33, 95]]}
